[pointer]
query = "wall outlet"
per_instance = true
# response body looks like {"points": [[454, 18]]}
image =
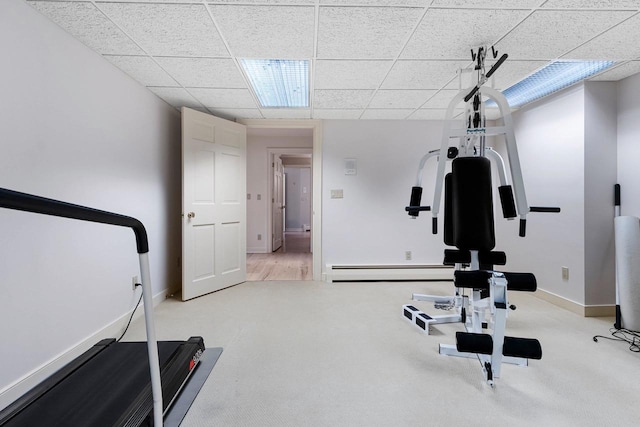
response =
{"points": [[134, 282], [565, 273], [259, 236], [407, 255]]}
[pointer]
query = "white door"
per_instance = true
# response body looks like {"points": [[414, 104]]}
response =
{"points": [[277, 204], [213, 203]]}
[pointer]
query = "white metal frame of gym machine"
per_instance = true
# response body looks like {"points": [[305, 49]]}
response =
{"points": [[486, 307]]}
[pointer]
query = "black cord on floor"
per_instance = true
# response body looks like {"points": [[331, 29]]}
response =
{"points": [[131, 318], [630, 337]]}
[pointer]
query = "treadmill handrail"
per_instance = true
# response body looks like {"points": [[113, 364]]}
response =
{"points": [[30, 203]]}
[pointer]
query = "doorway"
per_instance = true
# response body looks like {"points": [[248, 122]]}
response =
{"points": [[289, 228]]}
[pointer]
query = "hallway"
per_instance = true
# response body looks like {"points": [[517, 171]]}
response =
{"points": [[291, 262]]}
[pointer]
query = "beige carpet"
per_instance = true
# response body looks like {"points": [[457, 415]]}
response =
{"points": [[317, 354]]}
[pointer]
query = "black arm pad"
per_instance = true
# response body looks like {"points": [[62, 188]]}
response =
{"points": [[477, 279], [525, 282]]}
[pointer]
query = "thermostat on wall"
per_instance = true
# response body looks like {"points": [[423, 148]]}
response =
{"points": [[350, 167]]}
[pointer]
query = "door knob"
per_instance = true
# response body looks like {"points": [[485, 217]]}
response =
{"points": [[191, 215]]}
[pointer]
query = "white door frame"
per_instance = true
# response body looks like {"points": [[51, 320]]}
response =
{"points": [[279, 151], [316, 205]]}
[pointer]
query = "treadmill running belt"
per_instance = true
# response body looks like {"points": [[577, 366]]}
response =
{"points": [[112, 388]]}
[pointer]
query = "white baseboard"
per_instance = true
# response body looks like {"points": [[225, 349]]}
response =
{"points": [[387, 272], [16, 389], [595, 310], [260, 250]]}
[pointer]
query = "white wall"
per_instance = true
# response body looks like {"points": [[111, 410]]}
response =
{"points": [[550, 139], [629, 144], [258, 183], [75, 128], [599, 179], [370, 225]]}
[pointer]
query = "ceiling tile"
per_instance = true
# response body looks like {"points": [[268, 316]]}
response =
{"points": [[258, 31], [400, 98], [428, 114], [484, 4], [176, 97], [320, 113], [422, 74], [451, 33], [612, 45], [143, 69], [203, 72], [442, 99], [592, 4], [364, 32], [224, 98], [286, 113], [343, 99], [341, 74], [618, 73], [236, 113], [168, 29], [284, 2], [420, 3], [549, 34], [85, 22], [386, 114]]}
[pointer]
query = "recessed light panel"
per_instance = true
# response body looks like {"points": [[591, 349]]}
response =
{"points": [[552, 78], [279, 83]]}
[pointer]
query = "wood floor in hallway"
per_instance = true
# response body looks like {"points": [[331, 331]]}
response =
{"points": [[291, 262]]}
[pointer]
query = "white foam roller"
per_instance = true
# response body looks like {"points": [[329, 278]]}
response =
{"points": [[627, 232]]}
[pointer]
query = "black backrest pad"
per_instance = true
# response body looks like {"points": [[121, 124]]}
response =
{"points": [[472, 201], [448, 212]]}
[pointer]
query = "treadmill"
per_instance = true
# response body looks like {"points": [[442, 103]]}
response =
{"points": [[113, 383]]}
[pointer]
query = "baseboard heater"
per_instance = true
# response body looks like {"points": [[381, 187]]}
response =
{"points": [[388, 272]]}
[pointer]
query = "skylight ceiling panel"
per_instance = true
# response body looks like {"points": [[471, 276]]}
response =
{"points": [[342, 74], [386, 114], [548, 34], [592, 4], [168, 29], [342, 98], [177, 97], [203, 72], [451, 33], [400, 98], [85, 22], [511, 72], [282, 32], [364, 32], [614, 45], [143, 69], [422, 74], [619, 73], [224, 98], [329, 114]]}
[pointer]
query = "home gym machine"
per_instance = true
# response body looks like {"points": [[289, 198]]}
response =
{"points": [[113, 383], [469, 226]]}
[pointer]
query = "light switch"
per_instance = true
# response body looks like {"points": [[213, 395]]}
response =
{"points": [[337, 194]]}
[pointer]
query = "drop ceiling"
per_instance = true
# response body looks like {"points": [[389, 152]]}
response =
{"points": [[371, 59]]}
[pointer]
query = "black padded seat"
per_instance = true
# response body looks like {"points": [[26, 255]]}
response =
{"points": [[460, 256]]}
